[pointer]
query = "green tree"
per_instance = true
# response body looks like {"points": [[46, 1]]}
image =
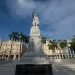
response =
{"points": [[26, 39], [53, 45], [18, 36], [43, 40], [21, 37], [14, 36], [10, 36], [72, 47], [63, 44]]}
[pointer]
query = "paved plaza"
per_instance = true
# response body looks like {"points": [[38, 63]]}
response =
{"points": [[66, 67]]}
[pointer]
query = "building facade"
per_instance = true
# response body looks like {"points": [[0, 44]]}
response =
{"points": [[58, 53], [11, 49], [15, 49]]}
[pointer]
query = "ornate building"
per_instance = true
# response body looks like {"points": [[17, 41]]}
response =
{"points": [[58, 53], [11, 49]]}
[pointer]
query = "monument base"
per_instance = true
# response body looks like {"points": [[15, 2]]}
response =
{"points": [[33, 63], [33, 58], [33, 69]]}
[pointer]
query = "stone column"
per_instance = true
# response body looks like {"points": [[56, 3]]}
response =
{"points": [[7, 57], [14, 58], [18, 57]]}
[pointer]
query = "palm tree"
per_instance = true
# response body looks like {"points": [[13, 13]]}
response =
{"points": [[21, 37], [26, 39], [53, 46], [14, 36], [10, 36], [43, 40], [72, 47], [63, 44]]}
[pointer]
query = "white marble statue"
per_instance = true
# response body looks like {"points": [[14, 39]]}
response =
{"points": [[35, 54], [35, 20], [35, 40]]}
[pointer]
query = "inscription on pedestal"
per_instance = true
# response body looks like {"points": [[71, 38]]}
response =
{"points": [[32, 69]]}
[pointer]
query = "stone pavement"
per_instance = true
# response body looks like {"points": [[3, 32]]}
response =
{"points": [[62, 70], [8, 68], [68, 63], [66, 67], [70, 66]]}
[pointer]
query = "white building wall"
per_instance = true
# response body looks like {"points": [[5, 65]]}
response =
{"points": [[12, 49]]}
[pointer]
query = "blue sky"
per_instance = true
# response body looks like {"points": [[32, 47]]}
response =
{"points": [[57, 17]]}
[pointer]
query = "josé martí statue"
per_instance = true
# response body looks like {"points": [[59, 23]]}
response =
{"points": [[35, 54]]}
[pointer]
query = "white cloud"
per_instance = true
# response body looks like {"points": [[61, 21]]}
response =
{"points": [[56, 14], [20, 8]]}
